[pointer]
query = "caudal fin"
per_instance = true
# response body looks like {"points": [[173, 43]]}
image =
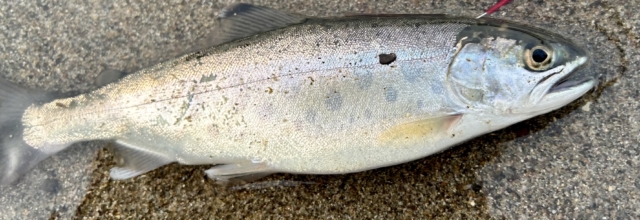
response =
{"points": [[16, 156]]}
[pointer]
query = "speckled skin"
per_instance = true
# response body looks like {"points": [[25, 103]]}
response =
{"points": [[312, 98]]}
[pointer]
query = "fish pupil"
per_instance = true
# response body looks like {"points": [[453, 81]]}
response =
{"points": [[539, 55]]}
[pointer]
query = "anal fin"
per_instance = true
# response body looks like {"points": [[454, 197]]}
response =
{"points": [[132, 161]]}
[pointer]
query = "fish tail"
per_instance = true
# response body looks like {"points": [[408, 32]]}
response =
{"points": [[16, 156]]}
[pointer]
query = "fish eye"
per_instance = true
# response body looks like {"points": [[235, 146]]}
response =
{"points": [[538, 58]]}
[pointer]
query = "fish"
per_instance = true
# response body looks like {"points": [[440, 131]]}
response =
{"points": [[276, 92]]}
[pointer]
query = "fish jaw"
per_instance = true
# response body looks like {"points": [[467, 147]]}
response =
{"points": [[555, 100], [561, 88]]}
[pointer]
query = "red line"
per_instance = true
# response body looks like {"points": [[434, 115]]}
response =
{"points": [[497, 6]]}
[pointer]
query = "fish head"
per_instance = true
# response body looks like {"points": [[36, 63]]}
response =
{"points": [[513, 70]]}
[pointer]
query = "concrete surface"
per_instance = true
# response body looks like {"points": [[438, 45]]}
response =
{"points": [[579, 162]]}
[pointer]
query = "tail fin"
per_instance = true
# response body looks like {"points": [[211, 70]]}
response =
{"points": [[16, 156]]}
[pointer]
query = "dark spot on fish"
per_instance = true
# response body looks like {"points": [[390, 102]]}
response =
{"points": [[386, 59], [325, 26], [364, 78], [311, 115], [188, 118], [411, 76], [390, 94], [311, 78], [420, 103], [269, 90], [189, 97], [333, 101], [208, 78], [196, 55], [453, 135], [61, 105], [367, 113]]}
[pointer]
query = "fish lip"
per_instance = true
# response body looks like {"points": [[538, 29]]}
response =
{"points": [[571, 80], [564, 85]]}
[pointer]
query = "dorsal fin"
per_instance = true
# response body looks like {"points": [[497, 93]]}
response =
{"points": [[242, 20]]}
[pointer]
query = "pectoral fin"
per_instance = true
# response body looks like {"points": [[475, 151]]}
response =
{"points": [[419, 131], [132, 161]]}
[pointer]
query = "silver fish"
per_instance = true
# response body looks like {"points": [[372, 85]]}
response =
{"points": [[284, 93]]}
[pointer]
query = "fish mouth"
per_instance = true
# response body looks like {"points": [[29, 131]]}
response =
{"points": [[570, 81], [565, 92], [563, 87]]}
